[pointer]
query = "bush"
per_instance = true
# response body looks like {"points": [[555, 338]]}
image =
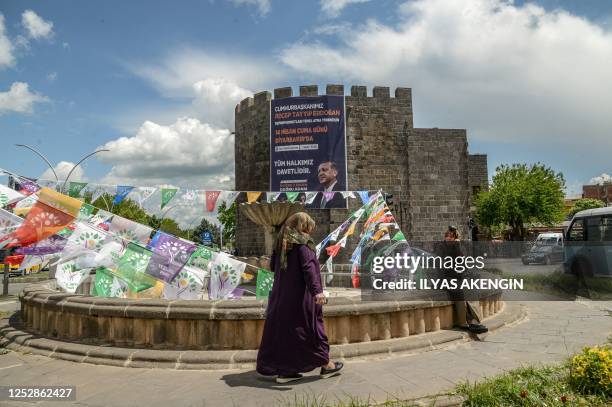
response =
{"points": [[591, 371]]}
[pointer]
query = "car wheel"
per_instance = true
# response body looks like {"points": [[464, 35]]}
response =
{"points": [[525, 262]]}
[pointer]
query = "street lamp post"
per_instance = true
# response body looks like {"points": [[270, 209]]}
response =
{"points": [[79, 163], [41, 155]]}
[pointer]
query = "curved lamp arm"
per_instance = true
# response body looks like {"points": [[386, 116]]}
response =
{"points": [[38, 153], [79, 163]]}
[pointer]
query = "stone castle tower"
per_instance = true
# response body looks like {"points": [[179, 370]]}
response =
{"points": [[429, 171]]}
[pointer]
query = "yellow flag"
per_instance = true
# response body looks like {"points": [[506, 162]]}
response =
{"points": [[351, 229], [252, 196], [64, 203], [382, 232]]}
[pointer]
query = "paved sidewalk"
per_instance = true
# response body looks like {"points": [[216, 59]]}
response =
{"points": [[551, 332]]}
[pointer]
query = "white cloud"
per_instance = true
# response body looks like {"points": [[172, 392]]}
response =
{"points": [[204, 85], [51, 76], [187, 152], [6, 47], [331, 29], [504, 72], [333, 8], [22, 42], [36, 27], [263, 6], [19, 99], [216, 99], [176, 73], [62, 169], [601, 179]]}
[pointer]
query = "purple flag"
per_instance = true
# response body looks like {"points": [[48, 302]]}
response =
{"points": [[169, 256], [52, 244], [28, 187]]}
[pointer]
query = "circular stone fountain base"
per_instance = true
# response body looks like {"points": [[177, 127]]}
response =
{"points": [[218, 334]]}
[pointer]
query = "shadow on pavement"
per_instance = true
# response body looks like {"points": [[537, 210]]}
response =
{"points": [[254, 379]]}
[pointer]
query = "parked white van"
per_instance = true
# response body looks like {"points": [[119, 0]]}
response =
{"points": [[547, 249], [588, 243]]}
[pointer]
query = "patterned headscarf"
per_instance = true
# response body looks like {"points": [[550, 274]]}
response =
{"points": [[296, 230]]}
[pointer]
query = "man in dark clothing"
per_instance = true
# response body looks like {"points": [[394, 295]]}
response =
{"points": [[327, 174]]}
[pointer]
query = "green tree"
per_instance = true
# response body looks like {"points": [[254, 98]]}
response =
{"points": [[126, 208], [521, 194], [584, 204], [227, 217]]}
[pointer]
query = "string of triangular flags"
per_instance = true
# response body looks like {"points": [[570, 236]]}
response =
{"points": [[374, 209], [186, 196], [127, 262], [379, 225]]}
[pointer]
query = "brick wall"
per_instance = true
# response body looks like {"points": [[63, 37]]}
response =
{"points": [[437, 183], [601, 192]]}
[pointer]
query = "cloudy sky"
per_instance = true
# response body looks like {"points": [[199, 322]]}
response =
{"points": [[157, 82]]}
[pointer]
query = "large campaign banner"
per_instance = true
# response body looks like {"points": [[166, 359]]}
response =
{"points": [[308, 148]]}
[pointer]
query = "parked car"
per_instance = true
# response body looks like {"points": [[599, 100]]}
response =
{"points": [[588, 243], [547, 249]]}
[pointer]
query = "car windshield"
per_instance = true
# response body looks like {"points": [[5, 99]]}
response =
{"points": [[540, 248], [547, 241]]}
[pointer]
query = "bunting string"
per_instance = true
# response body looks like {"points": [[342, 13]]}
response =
{"points": [[131, 263]]}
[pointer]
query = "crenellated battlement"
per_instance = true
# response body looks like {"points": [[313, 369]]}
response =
{"points": [[382, 93]]}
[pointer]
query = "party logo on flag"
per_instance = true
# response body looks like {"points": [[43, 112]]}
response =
{"points": [[166, 196], [265, 280], [169, 256]]}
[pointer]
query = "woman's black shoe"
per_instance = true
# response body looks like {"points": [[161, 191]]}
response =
{"points": [[477, 328], [325, 373], [287, 379]]}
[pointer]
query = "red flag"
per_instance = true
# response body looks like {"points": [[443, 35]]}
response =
{"points": [[51, 213], [211, 200], [355, 276], [333, 250]]}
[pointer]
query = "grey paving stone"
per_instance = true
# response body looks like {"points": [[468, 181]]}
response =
{"points": [[550, 333]]}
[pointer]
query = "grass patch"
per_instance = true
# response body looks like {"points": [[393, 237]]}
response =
{"points": [[317, 400], [529, 386]]}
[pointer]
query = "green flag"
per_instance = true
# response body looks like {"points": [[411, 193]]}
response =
{"points": [[265, 279], [132, 266], [85, 211], [107, 285], [167, 195], [201, 258], [75, 188], [291, 196], [399, 236]]}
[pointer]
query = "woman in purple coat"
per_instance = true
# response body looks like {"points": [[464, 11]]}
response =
{"points": [[294, 339]]}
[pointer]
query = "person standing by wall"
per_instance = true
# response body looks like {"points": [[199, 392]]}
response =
{"points": [[467, 313], [294, 340]]}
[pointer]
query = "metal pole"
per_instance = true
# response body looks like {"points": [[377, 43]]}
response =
{"points": [[41, 156], [77, 164], [5, 278]]}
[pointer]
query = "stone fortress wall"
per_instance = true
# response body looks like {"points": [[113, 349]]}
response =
{"points": [[429, 171]]}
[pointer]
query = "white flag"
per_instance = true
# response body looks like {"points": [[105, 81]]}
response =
{"points": [[9, 196]]}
